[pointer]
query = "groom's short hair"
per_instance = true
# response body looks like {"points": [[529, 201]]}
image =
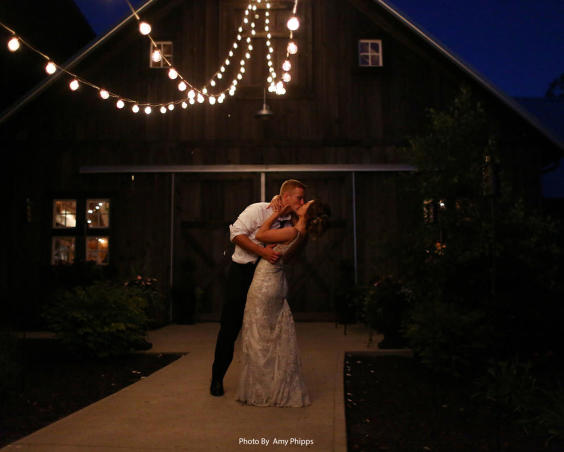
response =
{"points": [[290, 184]]}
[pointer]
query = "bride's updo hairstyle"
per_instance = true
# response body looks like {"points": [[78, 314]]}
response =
{"points": [[317, 219]]}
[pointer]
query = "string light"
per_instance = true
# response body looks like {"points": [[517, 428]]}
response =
{"points": [[163, 110], [293, 23], [50, 68], [13, 44], [144, 28], [194, 94]]}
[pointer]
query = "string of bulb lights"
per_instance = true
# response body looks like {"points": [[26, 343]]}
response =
{"points": [[194, 94]]}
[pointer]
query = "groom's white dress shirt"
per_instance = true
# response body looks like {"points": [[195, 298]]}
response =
{"points": [[248, 223]]}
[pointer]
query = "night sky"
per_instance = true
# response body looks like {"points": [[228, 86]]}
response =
{"points": [[518, 45]]}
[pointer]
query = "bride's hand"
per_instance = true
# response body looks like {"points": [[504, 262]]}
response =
{"points": [[276, 203]]}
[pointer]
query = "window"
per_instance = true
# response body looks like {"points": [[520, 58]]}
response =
{"points": [[431, 210], [62, 250], [98, 250], [64, 213], [80, 231], [165, 49], [370, 53], [98, 213]]}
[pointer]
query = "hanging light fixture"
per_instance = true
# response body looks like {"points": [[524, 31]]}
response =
{"points": [[265, 112]]}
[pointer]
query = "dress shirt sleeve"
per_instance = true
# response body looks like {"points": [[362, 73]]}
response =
{"points": [[248, 221]]}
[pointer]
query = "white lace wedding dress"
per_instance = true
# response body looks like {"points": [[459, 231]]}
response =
{"points": [[271, 374]]}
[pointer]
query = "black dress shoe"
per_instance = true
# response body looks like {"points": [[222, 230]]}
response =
{"points": [[216, 388]]}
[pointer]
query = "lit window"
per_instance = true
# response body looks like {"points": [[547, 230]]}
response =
{"points": [[97, 250], [431, 209], [62, 250], [64, 213], [98, 213], [370, 53], [165, 49]]}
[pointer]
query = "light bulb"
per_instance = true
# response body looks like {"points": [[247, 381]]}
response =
{"points": [[191, 101], [171, 107], [271, 87], [292, 48], [205, 90], [239, 76], [73, 85], [13, 44], [135, 108], [104, 94], [293, 23], [148, 110], [182, 86], [50, 68], [212, 100], [221, 98], [163, 109], [286, 77], [287, 65], [219, 75], [191, 94], [200, 98], [172, 74], [120, 104], [156, 56], [212, 82], [184, 105], [144, 28]]}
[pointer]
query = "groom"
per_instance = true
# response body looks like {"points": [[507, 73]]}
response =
{"points": [[240, 274]]}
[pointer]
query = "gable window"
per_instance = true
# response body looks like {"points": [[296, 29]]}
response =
{"points": [[164, 49], [80, 231], [370, 53]]}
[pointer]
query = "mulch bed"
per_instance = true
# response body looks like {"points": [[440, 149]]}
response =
{"points": [[393, 404], [54, 384]]}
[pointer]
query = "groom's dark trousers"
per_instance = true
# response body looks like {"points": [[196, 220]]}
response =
{"points": [[239, 277]]}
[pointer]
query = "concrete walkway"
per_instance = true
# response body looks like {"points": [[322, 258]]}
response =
{"points": [[172, 409]]}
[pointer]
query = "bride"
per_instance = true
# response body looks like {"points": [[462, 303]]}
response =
{"points": [[271, 374]]}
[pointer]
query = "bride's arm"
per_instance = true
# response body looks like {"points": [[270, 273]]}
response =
{"points": [[267, 235]]}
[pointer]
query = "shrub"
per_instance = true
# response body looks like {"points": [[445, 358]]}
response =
{"points": [[156, 309], [101, 319], [446, 337]]}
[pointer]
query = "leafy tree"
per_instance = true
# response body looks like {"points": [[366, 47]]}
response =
{"points": [[482, 266]]}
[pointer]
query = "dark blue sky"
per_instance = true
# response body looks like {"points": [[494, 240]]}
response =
{"points": [[518, 45]]}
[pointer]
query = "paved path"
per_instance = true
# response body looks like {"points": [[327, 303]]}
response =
{"points": [[172, 409]]}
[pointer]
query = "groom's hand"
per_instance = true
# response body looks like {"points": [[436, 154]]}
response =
{"points": [[276, 203], [269, 254]]}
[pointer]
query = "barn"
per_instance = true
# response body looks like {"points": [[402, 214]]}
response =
{"points": [[153, 194]]}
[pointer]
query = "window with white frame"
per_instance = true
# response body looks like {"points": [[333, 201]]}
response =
{"points": [[98, 213], [98, 250], [159, 52], [370, 53], [80, 231], [63, 250]]}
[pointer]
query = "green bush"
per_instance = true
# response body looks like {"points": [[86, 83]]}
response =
{"points": [[156, 308], [100, 320], [445, 337], [382, 306]]}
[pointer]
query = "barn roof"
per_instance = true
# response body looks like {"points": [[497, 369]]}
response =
{"points": [[360, 5]]}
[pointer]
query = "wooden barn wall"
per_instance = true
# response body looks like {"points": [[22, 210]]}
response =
{"points": [[333, 113]]}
